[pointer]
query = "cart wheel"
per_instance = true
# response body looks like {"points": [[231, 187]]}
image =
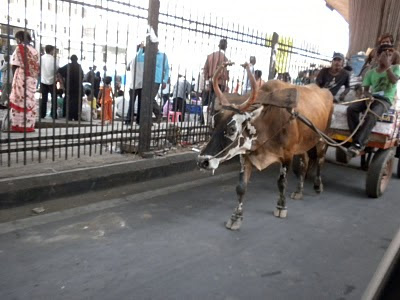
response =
{"points": [[296, 165], [379, 172], [341, 156]]}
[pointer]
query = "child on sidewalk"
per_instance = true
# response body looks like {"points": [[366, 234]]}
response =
{"points": [[106, 97], [92, 102]]}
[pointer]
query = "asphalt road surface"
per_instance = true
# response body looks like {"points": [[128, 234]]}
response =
{"points": [[167, 240]]}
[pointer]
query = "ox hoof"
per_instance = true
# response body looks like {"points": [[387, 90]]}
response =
{"points": [[280, 213], [234, 223], [296, 196], [318, 188]]}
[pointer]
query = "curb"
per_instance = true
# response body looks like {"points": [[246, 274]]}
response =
{"points": [[41, 187]]}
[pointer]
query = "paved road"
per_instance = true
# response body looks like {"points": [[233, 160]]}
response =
{"points": [[170, 243]]}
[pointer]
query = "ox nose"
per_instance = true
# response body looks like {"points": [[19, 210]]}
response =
{"points": [[203, 162]]}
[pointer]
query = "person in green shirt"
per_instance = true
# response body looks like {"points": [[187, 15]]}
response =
{"points": [[379, 83]]}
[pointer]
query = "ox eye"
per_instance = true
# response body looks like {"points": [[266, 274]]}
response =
{"points": [[231, 130]]}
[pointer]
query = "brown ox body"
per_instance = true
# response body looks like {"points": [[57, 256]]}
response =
{"points": [[263, 134]]}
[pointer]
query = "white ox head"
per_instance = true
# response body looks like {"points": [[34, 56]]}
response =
{"points": [[233, 132]]}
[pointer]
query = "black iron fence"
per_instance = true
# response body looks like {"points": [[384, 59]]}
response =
{"points": [[93, 77]]}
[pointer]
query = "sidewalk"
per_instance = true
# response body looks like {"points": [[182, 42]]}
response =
{"points": [[49, 180]]}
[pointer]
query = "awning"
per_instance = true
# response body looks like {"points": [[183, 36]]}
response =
{"points": [[341, 6], [368, 19]]}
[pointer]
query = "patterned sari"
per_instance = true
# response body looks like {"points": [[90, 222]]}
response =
{"points": [[22, 97]]}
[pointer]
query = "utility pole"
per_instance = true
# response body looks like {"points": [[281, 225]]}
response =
{"points": [[148, 78]]}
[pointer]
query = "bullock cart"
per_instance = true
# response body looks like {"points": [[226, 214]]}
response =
{"points": [[378, 158]]}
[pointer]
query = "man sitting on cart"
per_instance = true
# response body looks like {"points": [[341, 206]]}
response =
{"points": [[383, 81], [334, 77]]}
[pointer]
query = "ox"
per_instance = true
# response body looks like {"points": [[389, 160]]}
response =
{"points": [[264, 130]]}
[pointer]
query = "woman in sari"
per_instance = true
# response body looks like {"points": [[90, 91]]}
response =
{"points": [[25, 65]]}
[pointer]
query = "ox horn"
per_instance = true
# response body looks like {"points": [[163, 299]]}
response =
{"points": [[222, 98], [245, 105]]}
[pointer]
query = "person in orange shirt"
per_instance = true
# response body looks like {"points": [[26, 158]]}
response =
{"points": [[106, 97]]}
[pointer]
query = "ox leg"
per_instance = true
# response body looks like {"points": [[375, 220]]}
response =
{"points": [[298, 194], [235, 221], [281, 209], [318, 186]]}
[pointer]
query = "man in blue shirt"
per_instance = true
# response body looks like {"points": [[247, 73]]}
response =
{"points": [[161, 78]]}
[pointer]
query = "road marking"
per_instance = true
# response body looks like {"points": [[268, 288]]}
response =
{"points": [[77, 211]]}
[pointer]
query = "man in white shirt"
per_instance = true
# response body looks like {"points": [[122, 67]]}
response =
{"points": [[166, 92], [6, 78], [136, 66], [246, 81], [49, 66], [181, 92]]}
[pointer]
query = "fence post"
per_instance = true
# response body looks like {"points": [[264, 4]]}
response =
{"points": [[148, 78], [272, 60]]}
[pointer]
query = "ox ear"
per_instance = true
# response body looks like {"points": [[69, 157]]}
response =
{"points": [[286, 98]]}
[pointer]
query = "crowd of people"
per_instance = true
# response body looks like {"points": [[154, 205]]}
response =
{"points": [[27, 67], [67, 81], [21, 75]]}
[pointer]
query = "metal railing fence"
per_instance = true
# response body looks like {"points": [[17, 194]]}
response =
{"points": [[105, 37]]}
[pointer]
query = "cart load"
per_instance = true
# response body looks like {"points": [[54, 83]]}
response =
{"points": [[388, 125]]}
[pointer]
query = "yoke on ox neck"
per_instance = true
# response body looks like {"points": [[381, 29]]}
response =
{"points": [[285, 98]]}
